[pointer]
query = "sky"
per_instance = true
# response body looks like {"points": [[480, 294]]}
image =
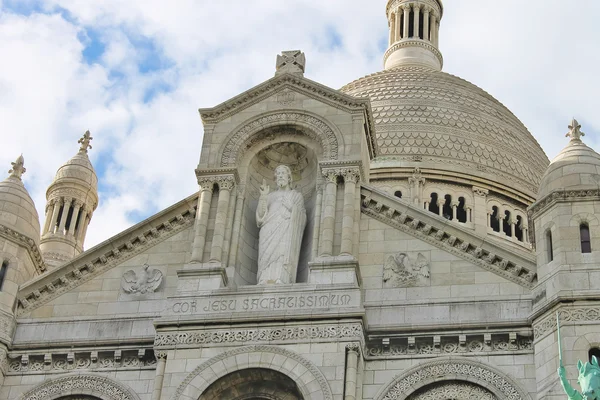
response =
{"points": [[135, 73]]}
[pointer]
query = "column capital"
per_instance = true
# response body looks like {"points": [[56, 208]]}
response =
{"points": [[67, 200], [480, 191], [160, 354], [354, 347], [226, 182], [351, 174], [331, 175], [78, 203]]}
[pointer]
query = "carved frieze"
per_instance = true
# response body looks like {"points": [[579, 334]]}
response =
{"points": [[453, 390], [142, 281], [568, 315]]}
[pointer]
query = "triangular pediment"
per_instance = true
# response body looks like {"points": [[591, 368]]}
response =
{"points": [[516, 266], [107, 255]]}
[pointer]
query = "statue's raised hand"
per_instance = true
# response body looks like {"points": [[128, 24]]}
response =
{"points": [[264, 189]]}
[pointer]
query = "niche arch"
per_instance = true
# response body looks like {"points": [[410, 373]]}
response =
{"points": [[310, 381], [451, 368], [256, 130], [93, 386]]}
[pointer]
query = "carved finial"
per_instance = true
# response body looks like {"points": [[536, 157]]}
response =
{"points": [[85, 142], [293, 62], [575, 131], [18, 168]]}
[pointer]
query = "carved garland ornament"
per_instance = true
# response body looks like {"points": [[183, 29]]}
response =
{"points": [[324, 389], [80, 384], [319, 131], [454, 369], [259, 335]]}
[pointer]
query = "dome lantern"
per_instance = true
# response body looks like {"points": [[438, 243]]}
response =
{"points": [[72, 198], [414, 32]]}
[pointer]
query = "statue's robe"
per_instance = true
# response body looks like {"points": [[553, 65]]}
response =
{"points": [[280, 237]]}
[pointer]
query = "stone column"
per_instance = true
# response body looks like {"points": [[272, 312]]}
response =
{"points": [[513, 225], [440, 204], [351, 371], [86, 223], [432, 28], [57, 204], [454, 209], [351, 177], [436, 28], [417, 25], [161, 362], [480, 218], [49, 213], [235, 235], [392, 31], [406, 21], [416, 183], [328, 213], [63, 217], [225, 186], [426, 23], [317, 221], [398, 33], [82, 224], [76, 208], [204, 200]]}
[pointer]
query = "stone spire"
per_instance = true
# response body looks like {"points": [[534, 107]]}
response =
{"points": [[414, 32], [575, 131], [71, 200], [18, 168]]}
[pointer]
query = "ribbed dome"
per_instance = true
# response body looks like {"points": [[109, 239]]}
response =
{"points": [[576, 167], [430, 119], [17, 210]]}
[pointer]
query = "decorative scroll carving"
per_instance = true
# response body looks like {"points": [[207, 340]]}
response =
{"points": [[144, 281], [400, 271], [566, 315], [240, 336], [85, 384], [455, 369]]}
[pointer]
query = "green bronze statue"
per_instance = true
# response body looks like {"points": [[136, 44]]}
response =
{"points": [[589, 376]]}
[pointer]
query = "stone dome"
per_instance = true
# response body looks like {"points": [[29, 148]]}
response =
{"points": [[429, 119], [17, 210], [576, 167], [78, 169]]}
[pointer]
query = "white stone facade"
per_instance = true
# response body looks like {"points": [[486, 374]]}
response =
{"points": [[432, 263]]}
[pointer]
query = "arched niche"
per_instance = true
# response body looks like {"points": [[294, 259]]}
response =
{"points": [[288, 145], [253, 384], [310, 381], [421, 376], [80, 387], [452, 390]]}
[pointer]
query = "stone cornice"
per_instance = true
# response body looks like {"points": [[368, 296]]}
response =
{"points": [[454, 239], [412, 42], [107, 255], [28, 243], [560, 196]]}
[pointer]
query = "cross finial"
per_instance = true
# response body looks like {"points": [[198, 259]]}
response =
{"points": [[575, 131], [18, 168], [85, 142], [293, 62]]}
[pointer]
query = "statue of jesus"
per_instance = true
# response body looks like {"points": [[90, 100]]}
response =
{"points": [[281, 218]]}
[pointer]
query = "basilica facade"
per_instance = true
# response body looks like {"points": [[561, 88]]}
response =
{"points": [[401, 238]]}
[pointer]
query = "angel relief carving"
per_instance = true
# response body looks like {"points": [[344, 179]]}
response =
{"points": [[144, 281], [400, 271]]}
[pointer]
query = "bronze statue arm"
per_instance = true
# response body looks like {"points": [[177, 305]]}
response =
{"points": [[572, 393]]}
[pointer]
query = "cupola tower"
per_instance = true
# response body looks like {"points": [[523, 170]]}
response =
{"points": [[414, 30], [71, 200]]}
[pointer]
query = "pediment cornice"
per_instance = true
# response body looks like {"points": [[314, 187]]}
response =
{"points": [[107, 255], [518, 267]]}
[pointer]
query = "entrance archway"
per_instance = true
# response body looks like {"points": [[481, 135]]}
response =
{"points": [[253, 384]]}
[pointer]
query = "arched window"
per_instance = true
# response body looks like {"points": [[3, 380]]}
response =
{"points": [[494, 221], [3, 270], [433, 206], [584, 235], [549, 250], [519, 228], [594, 351], [398, 194], [447, 208], [461, 212], [506, 222]]}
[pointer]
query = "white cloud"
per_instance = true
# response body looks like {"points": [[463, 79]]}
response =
{"points": [[527, 54]]}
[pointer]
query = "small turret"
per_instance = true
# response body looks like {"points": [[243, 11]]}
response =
{"points": [[71, 200]]}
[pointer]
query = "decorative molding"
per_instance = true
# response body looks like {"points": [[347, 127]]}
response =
{"points": [[28, 243], [144, 281], [453, 390], [245, 136], [257, 335], [567, 315], [324, 391], [65, 278], [464, 345], [7, 327], [559, 196], [452, 369], [100, 386], [412, 42], [385, 212], [96, 360]]}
